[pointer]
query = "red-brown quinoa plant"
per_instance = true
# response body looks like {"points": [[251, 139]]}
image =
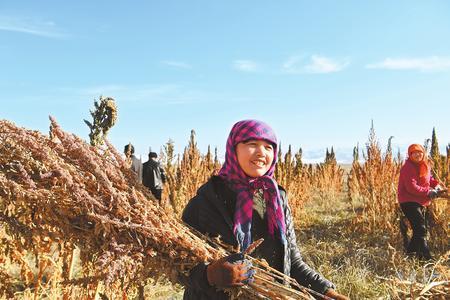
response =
{"points": [[328, 178], [190, 170], [62, 191], [211, 166], [448, 165], [51, 261], [28, 261], [439, 208], [188, 174], [374, 186], [439, 162], [356, 172], [170, 162], [284, 171], [292, 175]]}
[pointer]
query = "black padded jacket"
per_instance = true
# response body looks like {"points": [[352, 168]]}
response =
{"points": [[208, 212]]}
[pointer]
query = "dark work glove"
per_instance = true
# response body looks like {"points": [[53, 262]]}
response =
{"points": [[230, 271], [432, 193]]}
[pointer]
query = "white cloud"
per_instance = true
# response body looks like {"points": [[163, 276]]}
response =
{"points": [[30, 26], [177, 64], [246, 65], [433, 63], [315, 64], [322, 64]]}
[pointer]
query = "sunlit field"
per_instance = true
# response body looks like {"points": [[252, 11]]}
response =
{"points": [[347, 221]]}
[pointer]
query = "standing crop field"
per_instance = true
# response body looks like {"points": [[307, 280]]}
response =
{"points": [[348, 224]]}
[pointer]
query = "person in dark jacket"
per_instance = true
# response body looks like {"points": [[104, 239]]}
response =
{"points": [[416, 188], [241, 205], [153, 175]]}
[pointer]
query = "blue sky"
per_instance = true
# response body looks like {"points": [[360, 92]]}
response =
{"points": [[317, 71]]}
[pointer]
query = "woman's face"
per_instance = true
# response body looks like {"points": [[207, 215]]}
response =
{"points": [[255, 157], [417, 156]]}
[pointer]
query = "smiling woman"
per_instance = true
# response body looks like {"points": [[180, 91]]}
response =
{"points": [[244, 205], [255, 157]]}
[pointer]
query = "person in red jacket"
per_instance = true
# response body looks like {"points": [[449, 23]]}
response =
{"points": [[416, 189]]}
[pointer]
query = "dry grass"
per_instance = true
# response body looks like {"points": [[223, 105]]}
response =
{"points": [[363, 264]]}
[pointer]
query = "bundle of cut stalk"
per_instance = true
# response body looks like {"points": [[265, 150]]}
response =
{"points": [[61, 188], [436, 286]]}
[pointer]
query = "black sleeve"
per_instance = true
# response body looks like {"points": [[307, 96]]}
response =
{"points": [[144, 174], [190, 213], [300, 271], [197, 279]]}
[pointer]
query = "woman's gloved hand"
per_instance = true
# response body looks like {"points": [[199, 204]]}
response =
{"points": [[230, 271]]}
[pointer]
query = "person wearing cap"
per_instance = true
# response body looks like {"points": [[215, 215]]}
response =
{"points": [[416, 189], [153, 175]]}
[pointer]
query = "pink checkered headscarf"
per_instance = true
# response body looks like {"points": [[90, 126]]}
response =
{"points": [[246, 186]]}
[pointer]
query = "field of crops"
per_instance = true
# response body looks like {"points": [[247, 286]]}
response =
{"points": [[65, 210]]}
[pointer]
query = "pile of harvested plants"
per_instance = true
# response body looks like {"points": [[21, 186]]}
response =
{"points": [[59, 188]]}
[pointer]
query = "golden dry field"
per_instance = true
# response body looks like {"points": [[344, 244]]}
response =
{"points": [[74, 224]]}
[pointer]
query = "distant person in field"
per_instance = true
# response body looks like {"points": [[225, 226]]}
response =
{"points": [[134, 163], [416, 189], [153, 175], [244, 204]]}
